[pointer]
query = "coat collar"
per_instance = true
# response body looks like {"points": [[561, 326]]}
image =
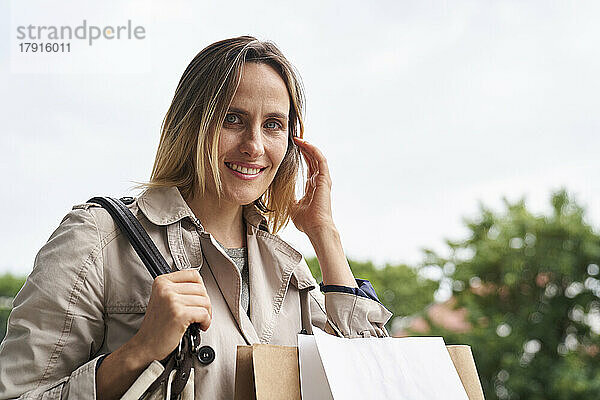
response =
{"points": [[166, 205]]}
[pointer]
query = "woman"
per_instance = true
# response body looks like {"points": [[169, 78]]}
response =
{"points": [[90, 319]]}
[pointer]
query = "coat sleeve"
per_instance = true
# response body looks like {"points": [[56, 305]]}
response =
{"points": [[56, 326], [351, 313]]}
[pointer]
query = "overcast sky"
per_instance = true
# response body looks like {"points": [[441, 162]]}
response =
{"points": [[423, 109]]}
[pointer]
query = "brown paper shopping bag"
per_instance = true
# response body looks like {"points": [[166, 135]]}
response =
{"points": [[265, 372], [467, 372]]}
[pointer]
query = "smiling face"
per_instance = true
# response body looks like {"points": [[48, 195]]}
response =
{"points": [[254, 136]]}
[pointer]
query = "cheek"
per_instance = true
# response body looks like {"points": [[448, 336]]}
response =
{"points": [[279, 151], [224, 145]]}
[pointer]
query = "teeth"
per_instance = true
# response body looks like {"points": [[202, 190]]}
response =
{"points": [[243, 170]]}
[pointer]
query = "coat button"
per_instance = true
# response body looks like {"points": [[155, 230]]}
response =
{"points": [[206, 355]]}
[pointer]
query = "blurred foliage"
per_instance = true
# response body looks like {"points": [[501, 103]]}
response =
{"points": [[399, 287], [9, 287], [530, 285]]}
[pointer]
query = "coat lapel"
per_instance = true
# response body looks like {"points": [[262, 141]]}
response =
{"points": [[272, 263], [229, 281]]}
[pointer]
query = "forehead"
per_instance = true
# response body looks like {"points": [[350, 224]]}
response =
{"points": [[261, 85]]}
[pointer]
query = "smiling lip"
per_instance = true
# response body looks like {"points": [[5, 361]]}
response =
{"points": [[242, 164], [245, 171]]}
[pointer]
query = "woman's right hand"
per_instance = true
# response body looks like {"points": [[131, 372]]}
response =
{"points": [[178, 299]]}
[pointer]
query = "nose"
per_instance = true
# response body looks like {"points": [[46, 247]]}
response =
{"points": [[252, 142]]}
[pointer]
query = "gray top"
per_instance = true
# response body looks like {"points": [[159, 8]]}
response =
{"points": [[239, 256]]}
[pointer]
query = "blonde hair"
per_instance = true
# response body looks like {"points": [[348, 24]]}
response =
{"points": [[190, 130]]}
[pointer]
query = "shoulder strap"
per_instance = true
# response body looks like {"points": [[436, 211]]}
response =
{"points": [[137, 235]]}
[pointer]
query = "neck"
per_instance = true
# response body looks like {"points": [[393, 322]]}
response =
{"points": [[222, 219]]}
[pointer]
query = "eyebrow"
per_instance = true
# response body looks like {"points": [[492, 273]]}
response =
{"points": [[269, 115]]}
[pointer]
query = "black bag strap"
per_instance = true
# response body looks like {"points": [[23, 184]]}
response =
{"points": [[137, 235], [179, 359]]}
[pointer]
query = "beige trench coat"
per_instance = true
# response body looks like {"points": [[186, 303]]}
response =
{"points": [[88, 292]]}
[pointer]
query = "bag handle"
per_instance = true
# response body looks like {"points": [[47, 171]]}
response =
{"points": [[180, 359]]}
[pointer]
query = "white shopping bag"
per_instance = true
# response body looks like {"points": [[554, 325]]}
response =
{"points": [[376, 368]]}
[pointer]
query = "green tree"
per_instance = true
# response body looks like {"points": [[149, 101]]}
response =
{"points": [[399, 287], [530, 285], [9, 287]]}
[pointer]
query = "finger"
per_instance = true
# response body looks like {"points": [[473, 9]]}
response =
{"points": [[310, 173], [190, 288], [320, 161], [309, 161], [317, 156], [313, 171], [313, 162], [303, 146], [185, 275], [195, 301], [200, 315], [309, 193], [309, 186]]}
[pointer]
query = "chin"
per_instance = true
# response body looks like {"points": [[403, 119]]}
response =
{"points": [[242, 199]]}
